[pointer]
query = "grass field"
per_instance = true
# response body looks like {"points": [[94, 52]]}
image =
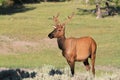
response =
{"points": [[24, 42]]}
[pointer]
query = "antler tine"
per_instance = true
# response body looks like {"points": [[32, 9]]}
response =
{"points": [[69, 18], [55, 18]]}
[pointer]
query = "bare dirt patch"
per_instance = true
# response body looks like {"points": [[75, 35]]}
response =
{"points": [[12, 45], [108, 68]]}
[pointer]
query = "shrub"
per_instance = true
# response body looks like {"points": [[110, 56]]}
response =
{"points": [[11, 3], [1, 1], [7, 3]]}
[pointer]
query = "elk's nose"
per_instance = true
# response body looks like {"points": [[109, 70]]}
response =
{"points": [[50, 36]]}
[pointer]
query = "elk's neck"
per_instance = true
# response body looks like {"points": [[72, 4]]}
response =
{"points": [[60, 42]]}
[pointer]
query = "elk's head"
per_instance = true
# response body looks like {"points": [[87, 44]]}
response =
{"points": [[59, 29]]}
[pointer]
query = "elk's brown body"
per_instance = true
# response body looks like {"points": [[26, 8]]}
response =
{"points": [[74, 49]]}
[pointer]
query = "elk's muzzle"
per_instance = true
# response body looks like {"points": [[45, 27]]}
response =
{"points": [[51, 36]]}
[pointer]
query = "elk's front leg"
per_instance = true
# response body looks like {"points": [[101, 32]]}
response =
{"points": [[72, 65], [71, 60]]}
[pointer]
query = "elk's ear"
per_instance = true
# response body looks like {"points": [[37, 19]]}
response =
{"points": [[62, 27]]}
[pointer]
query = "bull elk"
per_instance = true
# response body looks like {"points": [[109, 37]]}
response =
{"points": [[74, 49]]}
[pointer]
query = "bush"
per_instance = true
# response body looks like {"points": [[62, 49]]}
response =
{"points": [[11, 3], [55, 0], [1, 1], [20, 1], [7, 3], [26, 1]]}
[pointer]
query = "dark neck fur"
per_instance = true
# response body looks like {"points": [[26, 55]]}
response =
{"points": [[61, 41]]}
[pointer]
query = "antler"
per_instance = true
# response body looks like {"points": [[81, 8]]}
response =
{"points": [[69, 18], [55, 18]]}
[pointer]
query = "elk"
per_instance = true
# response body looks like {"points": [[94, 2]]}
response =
{"points": [[74, 49]]}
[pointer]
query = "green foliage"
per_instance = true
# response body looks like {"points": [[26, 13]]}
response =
{"points": [[26, 1], [117, 2], [7, 3], [55, 0], [1, 0]]}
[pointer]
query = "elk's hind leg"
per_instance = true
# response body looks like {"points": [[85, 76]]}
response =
{"points": [[93, 64], [86, 63]]}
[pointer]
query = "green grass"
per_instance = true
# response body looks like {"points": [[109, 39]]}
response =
{"points": [[34, 25], [33, 60]]}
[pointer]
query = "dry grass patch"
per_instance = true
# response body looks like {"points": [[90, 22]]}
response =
{"points": [[44, 73]]}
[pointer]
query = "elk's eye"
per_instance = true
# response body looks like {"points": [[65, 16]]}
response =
{"points": [[59, 30]]}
